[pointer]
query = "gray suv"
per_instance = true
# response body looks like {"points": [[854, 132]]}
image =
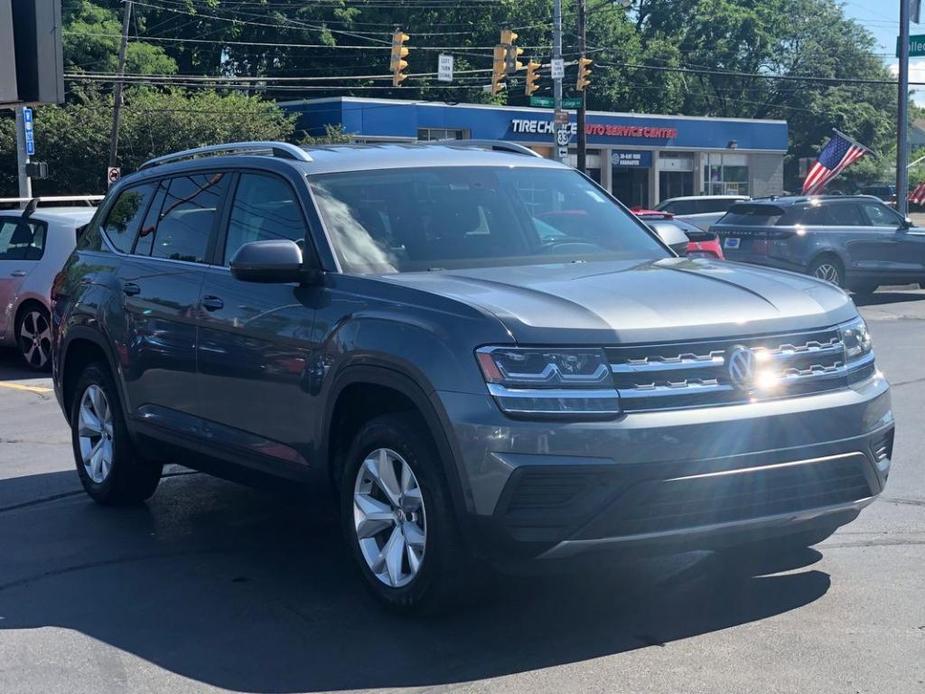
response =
{"points": [[855, 242], [487, 357]]}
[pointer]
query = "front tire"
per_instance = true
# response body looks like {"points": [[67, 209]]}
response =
{"points": [[110, 469], [33, 337], [397, 516]]}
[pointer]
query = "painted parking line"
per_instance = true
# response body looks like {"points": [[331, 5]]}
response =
{"points": [[28, 389]]}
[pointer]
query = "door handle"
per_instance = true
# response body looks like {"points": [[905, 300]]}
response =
{"points": [[212, 303], [130, 289], [18, 273]]}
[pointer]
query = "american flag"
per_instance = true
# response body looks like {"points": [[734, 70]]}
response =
{"points": [[917, 196], [838, 154]]}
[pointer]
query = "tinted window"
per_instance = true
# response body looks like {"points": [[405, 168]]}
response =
{"points": [[264, 208], [680, 207], [21, 240], [845, 215], [880, 215], [125, 216], [715, 204], [813, 216], [145, 238], [188, 216], [752, 215], [432, 218]]}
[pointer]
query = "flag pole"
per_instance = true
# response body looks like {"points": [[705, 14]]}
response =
{"points": [[902, 113]]}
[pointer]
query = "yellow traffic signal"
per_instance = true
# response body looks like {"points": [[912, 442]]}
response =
{"points": [[498, 69], [530, 83], [399, 52], [584, 73], [511, 52]]}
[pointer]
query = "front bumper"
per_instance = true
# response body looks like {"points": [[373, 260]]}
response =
{"points": [[694, 478]]}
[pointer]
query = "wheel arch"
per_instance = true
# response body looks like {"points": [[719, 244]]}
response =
{"points": [[355, 385], [81, 347]]}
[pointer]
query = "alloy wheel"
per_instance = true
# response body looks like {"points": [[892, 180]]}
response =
{"points": [[389, 517], [95, 433], [35, 339], [827, 272]]}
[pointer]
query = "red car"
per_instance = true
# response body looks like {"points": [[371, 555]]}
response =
{"points": [[701, 244]]}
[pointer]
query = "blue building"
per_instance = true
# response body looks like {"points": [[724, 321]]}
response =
{"points": [[641, 158]]}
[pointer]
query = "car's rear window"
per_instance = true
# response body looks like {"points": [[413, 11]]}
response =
{"points": [[752, 215]]}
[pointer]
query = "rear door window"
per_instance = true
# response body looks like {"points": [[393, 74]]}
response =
{"points": [[188, 216], [21, 239], [845, 214], [125, 216]]}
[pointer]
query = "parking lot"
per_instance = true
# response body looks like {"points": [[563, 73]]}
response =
{"points": [[214, 585]]}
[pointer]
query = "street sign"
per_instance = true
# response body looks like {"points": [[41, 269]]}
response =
{"points": [[563, 136], [560, 118], [563, 153], [549, 102], [916, 46], [445, 68], [558, 68], [112, 174], [27, 124]]}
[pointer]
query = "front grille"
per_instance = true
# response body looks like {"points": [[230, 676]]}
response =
{"points": [[667, 376], [689, 502]]}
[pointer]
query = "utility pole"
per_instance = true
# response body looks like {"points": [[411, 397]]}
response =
{"points": [[582, 94], [557, 81], [117, 90], [22, 157], [902, 126]]}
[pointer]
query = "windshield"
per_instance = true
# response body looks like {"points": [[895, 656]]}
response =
{"points": [[404, 220]]}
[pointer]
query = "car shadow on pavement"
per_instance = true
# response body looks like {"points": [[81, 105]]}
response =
{"points": [[13, 368], [252, 590]]}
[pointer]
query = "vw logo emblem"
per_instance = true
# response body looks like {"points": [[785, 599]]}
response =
{"points": [[740, 361]]}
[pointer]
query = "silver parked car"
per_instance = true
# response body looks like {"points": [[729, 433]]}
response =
{"points": [[33, 247], [700, 210]]}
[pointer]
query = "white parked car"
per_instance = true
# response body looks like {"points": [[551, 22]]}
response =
{"points": [[700, 210], [34, 244]]}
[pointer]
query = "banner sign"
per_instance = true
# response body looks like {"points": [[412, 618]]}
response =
{"points": [[531, 126]]}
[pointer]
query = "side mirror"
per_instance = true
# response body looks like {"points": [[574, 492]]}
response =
{"points": [[276, 261], [673, 237]]}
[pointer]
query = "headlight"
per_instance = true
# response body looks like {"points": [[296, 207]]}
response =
{"points": [[550, 381], [856, 339]]}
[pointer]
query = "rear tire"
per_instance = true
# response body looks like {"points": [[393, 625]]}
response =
{"points": [[865, 290], [33, 336], [829, 269], [397, 517], [110, 469]]}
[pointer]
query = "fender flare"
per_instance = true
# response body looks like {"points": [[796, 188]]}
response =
{"points": [[82, 332], [426, 402]]}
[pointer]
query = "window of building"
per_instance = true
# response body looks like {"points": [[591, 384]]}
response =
{"points": [[188, 216], [443, 134], [264, 208], [725, 174], [124, 218]]}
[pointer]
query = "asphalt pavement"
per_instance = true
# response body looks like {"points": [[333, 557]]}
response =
{"points": [[215, 586]]}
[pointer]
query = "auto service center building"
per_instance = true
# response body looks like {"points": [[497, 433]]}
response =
{"points": [[643, 159]]}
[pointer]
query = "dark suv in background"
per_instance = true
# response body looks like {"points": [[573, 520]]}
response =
{"points": [[855, 242], [484, 353]]}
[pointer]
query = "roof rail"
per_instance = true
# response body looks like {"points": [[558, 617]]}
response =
{"points": [[33, 202], [283, 150], [495, 145]]}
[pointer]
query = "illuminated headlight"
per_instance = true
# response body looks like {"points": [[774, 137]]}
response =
{"points": [[856, 339], [550, 381]]}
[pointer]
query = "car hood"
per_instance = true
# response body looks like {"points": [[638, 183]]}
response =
{"points": [[628, 301]]}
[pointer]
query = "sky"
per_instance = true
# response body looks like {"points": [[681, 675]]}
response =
{"points": [[881, 18]]}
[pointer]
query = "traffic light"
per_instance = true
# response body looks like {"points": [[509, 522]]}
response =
{"points": [[530, 83], [584, 73], [398, 62], [498, 69], [511, 52]]}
